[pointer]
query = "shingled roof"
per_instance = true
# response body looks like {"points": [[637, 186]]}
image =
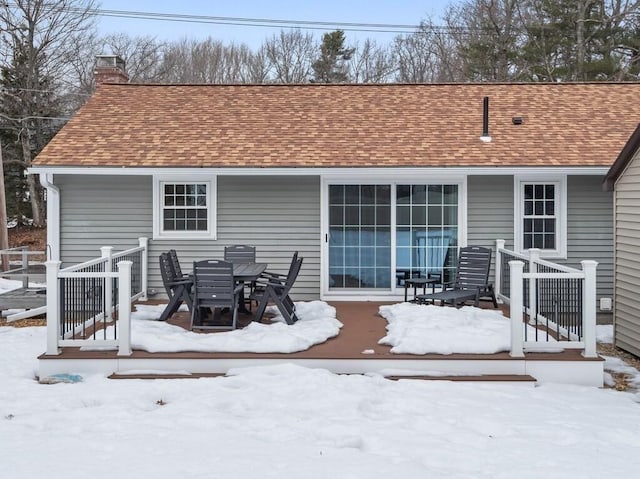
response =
{"points": [[391, 125]]}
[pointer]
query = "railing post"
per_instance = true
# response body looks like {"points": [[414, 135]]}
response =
{"points": [[25, 266], [144, 266], [497, 287], [53, 307], [124, 308], [534, 257], [106, 253], [515, 309], [589, 308]]}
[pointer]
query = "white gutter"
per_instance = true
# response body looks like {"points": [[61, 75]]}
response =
{"points": [[53, 215], [324, 172]]}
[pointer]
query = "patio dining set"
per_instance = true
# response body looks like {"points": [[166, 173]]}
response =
{"points": [[231, 285]]}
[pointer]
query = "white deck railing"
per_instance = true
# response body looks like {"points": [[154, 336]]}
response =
{"points": [[559, 301], [84, 298]]}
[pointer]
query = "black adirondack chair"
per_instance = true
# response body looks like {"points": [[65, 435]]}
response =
{"points": [[214, 290], [471, 283], [178, 287], [277, 292]]}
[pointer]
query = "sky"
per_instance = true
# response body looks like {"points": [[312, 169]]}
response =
{"points": [[287, 422], [397, 12]]}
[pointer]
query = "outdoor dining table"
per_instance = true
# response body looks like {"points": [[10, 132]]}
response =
{"points": [[246, 273]]}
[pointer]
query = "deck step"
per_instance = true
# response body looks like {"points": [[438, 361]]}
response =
{"points": [[497, 378], [164, 376]]}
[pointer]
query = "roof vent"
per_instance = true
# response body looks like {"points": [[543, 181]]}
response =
{"points": [[517, 120], [485, 121]]}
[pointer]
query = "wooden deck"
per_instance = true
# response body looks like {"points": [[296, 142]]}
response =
{"points": [[362, 330], [27, 297], [23, 298]]}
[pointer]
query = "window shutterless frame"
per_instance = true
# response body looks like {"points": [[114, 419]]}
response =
{"points": [[540, 215], [184, 207]]}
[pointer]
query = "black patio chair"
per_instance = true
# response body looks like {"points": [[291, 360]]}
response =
{"points": [[240, 254], [177, 269], [277, 292], [471, 283], [258, 286], [214, 290], [178, 287]]}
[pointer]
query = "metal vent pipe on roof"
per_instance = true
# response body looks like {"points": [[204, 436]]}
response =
{"points": [[485, 121]]}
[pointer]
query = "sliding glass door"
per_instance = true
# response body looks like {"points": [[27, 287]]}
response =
{"points": [[380, 233]]}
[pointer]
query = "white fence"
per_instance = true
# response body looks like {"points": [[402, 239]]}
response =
{"points": [[85, 300], [559, 302]]}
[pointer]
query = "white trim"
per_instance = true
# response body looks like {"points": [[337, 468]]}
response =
{"points": [[53, 216], [560, 252], [365, 177], [396, 172], [548, 369], [212, 205]]}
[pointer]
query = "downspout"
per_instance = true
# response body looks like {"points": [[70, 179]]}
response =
{"points": [[53, 216]]}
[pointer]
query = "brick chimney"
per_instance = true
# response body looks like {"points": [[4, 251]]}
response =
{"points": [[110, 69]]}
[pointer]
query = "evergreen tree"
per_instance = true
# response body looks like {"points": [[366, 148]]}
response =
{"points": [[332, 65]]}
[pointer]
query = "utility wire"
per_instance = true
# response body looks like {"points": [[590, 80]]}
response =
{"points": [[266, 22]]}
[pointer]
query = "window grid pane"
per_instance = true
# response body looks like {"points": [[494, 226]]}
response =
{"points": [[185, 207], [539, 216]]}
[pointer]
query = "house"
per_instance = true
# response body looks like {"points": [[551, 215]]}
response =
{"points": [[623, 178], [363, 180]]}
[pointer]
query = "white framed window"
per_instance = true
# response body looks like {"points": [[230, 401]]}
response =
{"points": [[184, 207], [540, 215]]}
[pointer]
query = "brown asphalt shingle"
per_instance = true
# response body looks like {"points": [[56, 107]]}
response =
{"points": [[566, 124]]}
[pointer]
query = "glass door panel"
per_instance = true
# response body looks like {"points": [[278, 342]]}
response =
{"points": [[359, 236], [426, 230]]}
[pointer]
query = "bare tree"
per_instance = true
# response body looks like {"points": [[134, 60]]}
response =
{"points": [[290, 55], [371, 63], [417, 56], [142, 55], [210, 61], [35, 52]]}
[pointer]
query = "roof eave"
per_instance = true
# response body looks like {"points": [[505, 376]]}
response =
{"points": [[625, 156]]}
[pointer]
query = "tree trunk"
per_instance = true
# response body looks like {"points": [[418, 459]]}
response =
{"points": [[4, 235], [34, 194]]}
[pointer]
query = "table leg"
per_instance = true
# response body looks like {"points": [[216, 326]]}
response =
{"points": [[241, 304]]}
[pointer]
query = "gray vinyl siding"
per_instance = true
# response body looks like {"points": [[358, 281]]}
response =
{"points": [[627, 262], [490, 210], [277, 215], [590, 229], [98, 211]]}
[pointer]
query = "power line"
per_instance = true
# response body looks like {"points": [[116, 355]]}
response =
{"points": [[267, 22]]}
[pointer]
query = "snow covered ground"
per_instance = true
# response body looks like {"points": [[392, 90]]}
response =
{"points": [[290, 422]]}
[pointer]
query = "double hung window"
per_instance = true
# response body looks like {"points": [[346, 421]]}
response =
{"points": [[540, 217], [183, 208]]}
